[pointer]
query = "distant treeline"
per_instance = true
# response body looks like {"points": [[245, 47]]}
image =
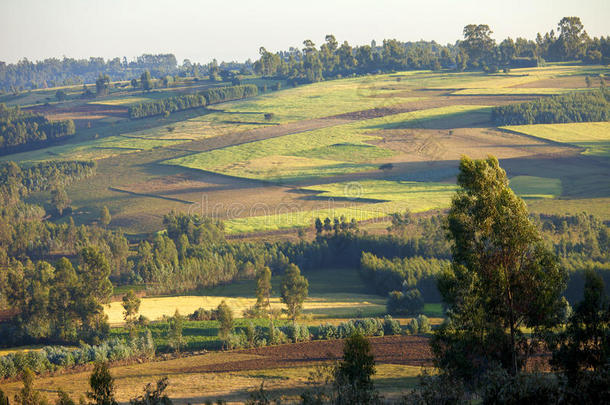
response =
{"points": [[477, 51], [588, 106], [68, 71], [188, 101], [22, 131]]}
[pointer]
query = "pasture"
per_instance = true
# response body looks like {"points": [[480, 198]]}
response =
{"points": [[593, 137], [258, 172]]}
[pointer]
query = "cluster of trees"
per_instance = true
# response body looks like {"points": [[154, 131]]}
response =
{"points": [[20, 130], [166, 106], [53, 358], [188, 101], [67, 71], [478, 50], [588, 106], [58, 302], [17, 182], [385, 275], [221, 94], [334, 60]]}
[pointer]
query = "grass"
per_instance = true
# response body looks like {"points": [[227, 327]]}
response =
{"points": [[301, 156], [535, 187], [188, 386], [594, 137], [428, 195], [331, 291]]}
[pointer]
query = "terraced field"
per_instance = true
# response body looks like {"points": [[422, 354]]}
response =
{"points": [[258, 173]]}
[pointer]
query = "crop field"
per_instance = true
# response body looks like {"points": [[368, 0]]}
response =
{"points": [[232, 375], [594, 137], [414, 125], [273, 160]]}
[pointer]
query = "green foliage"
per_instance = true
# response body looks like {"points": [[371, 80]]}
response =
{"points": [[63, 398], [153, 395], [105, 217], [585, 343], [174, 334], [225, 318], [221, 94], [294, 290], [23, 131], [503, 277], [391, 326], [573, 107], [102, 385], [353, 382], [407, 302], [263, 288], [441, 389], [28, 395], [167, 105]]}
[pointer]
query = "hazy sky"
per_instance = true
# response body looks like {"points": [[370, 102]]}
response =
{"points": [[234, 30]]}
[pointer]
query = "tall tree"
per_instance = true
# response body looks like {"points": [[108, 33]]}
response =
{"points": [[146, 81], [105, 217], [263, 288], [477, 42], [353, 383], [131, 306], [102, 385], [225, 318], [174, 336], [571, 37], [28, 395], [60, 200], [294, 290], [502, 279]]}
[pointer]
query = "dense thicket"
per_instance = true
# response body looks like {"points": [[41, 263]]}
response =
{"points": [[166, 105], [387, 275], [221, 94], [20, 130], [589, 106], [16, 182]]}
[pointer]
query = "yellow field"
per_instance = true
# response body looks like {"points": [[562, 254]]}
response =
{"points": [[155, 308], [593, 136]]}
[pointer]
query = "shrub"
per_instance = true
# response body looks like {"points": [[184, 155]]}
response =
{"points": [[391, 326], [409, 302], [424, 324], [326, 332], [296, 332]]}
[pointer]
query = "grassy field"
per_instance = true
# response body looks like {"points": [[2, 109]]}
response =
{"points": [[594, 137], [189, 385], [536, 187], [303, 156]]}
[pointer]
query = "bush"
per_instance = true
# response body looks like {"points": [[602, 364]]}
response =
{"points": [[326, 332], [296, 332], [501, 388], [409, 302], [391, 326], [437, 389], [424, 324], [202, 314]]}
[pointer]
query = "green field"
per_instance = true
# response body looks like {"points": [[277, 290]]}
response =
{"points": [[535, 187], [594, 137], [297, 156]]}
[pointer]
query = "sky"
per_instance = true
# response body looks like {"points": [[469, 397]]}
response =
{"points": [[235, 30]]}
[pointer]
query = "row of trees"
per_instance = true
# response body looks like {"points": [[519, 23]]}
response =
{"points": [[478, 50], [188, 101], [22, 131], [590, 106]]}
